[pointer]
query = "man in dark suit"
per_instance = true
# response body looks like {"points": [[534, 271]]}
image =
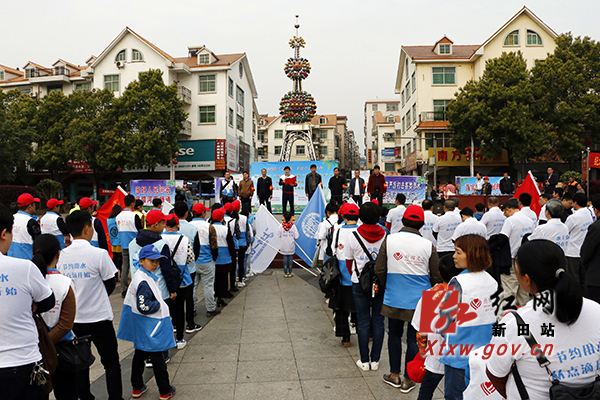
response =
{"points": [[312, 181], [337, 184], [506, 185], [551, 181], [376, 186], [590, 256], [264, 189], [357, 188]]}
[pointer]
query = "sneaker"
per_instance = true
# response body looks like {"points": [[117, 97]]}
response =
{"points": [[241, 284], [346, 342], [193, 328], [167, 360], [168, 395], [407, 386], [181, 344], [374, 365], [353, 329], [148, 363], [363, 366], [394, 382], [210, 314], [138, 393]]}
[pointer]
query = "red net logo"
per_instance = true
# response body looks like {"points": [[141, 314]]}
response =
{"points": [[441, 314]]}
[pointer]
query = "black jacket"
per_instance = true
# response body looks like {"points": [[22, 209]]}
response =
{"points": [[361, 183], [99, 228], [550, 183], [506, 186], [590, 254], [500, 251], [487, 189], [146, 237], [264, 187], [307, 189], [336, 185]]}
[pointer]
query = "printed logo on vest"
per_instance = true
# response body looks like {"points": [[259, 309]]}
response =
{"points": [[398, 256], [475, 304], [487, 388]]}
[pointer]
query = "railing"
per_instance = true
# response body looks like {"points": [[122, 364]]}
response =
{"points": [[184, 94], [187, 128], [428, 116]]}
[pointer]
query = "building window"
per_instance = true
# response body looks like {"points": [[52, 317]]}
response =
{"points": [[391, 118], [204, 59], [80, 87], [413, 80], [55, 88], [300, 150], [512, 39], [30, 73], [277, 150], [230, 87], [1, 75], [374, 107], [231, 117], [406, 67], [322, 120], [136, 55], [207, 83], [323, 134], [402, 97], [240, 123], [391, 107], [408, 123], [439, 109], [403, 124], [445, 48], [414, 112], [111, 82], [262, 122], [533, 39], [323, 150], [444, 75], [390, 167], [388, 137], [278, 134], [121, 56], [407, 91], [207, 114], [239, 95], [260, 151], [241, 67], [260, 136]]}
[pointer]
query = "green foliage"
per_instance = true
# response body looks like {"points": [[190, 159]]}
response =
{"points": [[48, 188], [149, 115], [565, 177], [15, 132]]}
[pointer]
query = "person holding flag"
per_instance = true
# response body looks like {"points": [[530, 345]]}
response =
{"points": [[288, 183]]}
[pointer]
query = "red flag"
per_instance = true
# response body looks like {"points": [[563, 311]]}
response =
{"points": [[103, 212], [530, 186]]}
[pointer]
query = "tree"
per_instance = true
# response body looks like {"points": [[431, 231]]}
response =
{"points": [[15, 132], [150, 117], [566, 87], [498, 112], [48, 188]]}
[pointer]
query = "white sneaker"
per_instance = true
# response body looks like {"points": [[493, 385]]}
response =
{"points": [[181, 344], [241, 284], [363, 366], [353, 329], [374, 365]]}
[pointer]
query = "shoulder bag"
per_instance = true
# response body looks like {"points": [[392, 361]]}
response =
{"points": [[75, 354], [330, 273], [176, 271]]}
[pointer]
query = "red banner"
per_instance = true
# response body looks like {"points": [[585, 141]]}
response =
{"points": [[103, 212], [594, 160], [529, 186], [220, 160]]}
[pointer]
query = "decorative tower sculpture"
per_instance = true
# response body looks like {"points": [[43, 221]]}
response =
{"points": [[297, 107]]}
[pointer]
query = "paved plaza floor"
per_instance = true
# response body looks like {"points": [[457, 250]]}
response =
{"points": [[274, 340]]}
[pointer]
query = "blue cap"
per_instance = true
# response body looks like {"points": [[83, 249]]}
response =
{"points": [[149, 251]]}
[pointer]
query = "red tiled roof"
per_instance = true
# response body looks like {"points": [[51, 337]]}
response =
{"points": [[331, 120], [223, 60], [382, 119], [11, 70], [432, 125], [428, 53], [38, 66]]}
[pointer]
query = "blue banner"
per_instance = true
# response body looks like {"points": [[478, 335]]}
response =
{"points": [[146, 190], [468, 184], [413, 187], [307, 225]]}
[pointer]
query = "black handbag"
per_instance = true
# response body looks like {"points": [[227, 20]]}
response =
{"points": [[558, 391], [330, 273], [75, 354], [367, 280]]}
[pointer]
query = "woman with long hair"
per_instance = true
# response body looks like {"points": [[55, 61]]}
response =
{"points": [[559, 319], [46, 250]]}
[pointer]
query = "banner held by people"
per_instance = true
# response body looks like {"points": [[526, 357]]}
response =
{"points": [[307, 224]]}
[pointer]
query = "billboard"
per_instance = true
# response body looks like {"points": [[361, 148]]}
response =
{"points": [[413, 187], [232, 153], [467, 184], [146, 190]]}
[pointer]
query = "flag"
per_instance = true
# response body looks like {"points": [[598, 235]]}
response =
{"points": [[103, 212], [308, 224], [530, 186], [266, 243]]}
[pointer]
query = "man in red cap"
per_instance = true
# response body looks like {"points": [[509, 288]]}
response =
{"points": [[407, 264], [25, 228], [53, 224], [99, 238]]}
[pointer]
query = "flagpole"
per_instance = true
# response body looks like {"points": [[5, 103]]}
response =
{"points": [[296, 262], [303, 251]]}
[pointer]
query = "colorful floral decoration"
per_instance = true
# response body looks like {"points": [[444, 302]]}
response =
{"points": [[297, 68], [297, 42], [297, 107]]}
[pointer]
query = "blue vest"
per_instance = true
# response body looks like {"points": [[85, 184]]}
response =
{"points": [[113, 231], [22, 243], [203, 228], [190, 232], [134, 261], [224, 257]]}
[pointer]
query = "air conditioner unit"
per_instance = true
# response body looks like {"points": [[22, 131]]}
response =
{"points": [[120, 64]]}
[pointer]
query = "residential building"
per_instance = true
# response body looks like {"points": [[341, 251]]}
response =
{"points": [[352, 156], [380, 118], [428, 78]]}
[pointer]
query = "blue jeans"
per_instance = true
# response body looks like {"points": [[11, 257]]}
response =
{"points": [[368, 313], [454, 385], [287, 263], [430, 382], [395, 332]]}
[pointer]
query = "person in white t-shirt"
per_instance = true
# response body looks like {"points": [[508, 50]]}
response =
{"points": [[430, 219], [469, 225], [22, 285], [478, 184], [543, 200], [524, 204], [393, 222], [515, 228], [494, 218], [456, 201], [566, 329], [554, 230], [94, 278], [578, 224], [325, 228], [444, 227]]}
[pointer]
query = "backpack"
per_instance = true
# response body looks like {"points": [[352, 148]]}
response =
{"points": [[368, 282], [176, 270], [329, 240], [330, 273]]}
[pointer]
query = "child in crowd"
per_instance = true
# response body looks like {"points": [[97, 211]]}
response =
{"points": [[478, 214], [145, 321], [288, 234]]}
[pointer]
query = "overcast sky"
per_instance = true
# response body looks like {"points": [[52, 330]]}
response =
{"points": [[353, 45]]}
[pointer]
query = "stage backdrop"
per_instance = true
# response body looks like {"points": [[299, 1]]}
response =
{"points": [[298, 168], [413, 187], [467, 184]]}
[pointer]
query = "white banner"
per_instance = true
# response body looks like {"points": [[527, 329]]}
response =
{"points": [[266, 241]]}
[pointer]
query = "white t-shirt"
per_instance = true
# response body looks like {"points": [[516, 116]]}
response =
{"points": [[470, 226], [323, 230], [592, 213], [357, 187], [21, 283], [493, 221], [88, 267], [445, 226], [573, 358], [542, 216], [394, 218], [577, 224], [479, 184], [427, 229], [555, 231], [529, 213], [353, 251], [515, 227]]}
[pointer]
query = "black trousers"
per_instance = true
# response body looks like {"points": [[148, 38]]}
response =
{"points": [[182, 302], [241, 263], [233, 273], [337, 198], [245, 200], [62, 383], [226, 200], [379, 197], [287, 198], [342, 327], [221, 284], [266, 201], [158, 364], [14, 384], [105, 340], [357, 200], [117, 259]]}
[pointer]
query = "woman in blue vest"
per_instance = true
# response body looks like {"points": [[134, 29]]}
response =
{"points": [[224, 262]]}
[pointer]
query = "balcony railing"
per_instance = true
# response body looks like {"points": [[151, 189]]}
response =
{"points": [[61, 71], [428, 116], [187, 128], [184, 94]]}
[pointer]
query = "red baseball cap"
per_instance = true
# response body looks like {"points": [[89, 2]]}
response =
{"points": [[228, 207], [218, 214], [155, 216], [86, 202], [375, 201], [26, 199], [198, 208], [53, 203], [351, 209], [414, 213], [486, 178], [236, 205], [169, 217]]}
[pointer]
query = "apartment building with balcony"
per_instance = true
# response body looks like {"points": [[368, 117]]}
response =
{"points": [[379, 130], [218, 92], [429, 76]]}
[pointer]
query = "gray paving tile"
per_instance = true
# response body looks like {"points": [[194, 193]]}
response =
{"points": [[327, 367], [270, 335], [264, 323], [266, 351], [208, 391], [267, 371], [331, 347], [335, 389], [208, 353], [290, 390], [217, 336], [205, 372], [382, 390]]}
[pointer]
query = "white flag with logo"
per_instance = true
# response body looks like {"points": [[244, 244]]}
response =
{"points": [[266, 243]]}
